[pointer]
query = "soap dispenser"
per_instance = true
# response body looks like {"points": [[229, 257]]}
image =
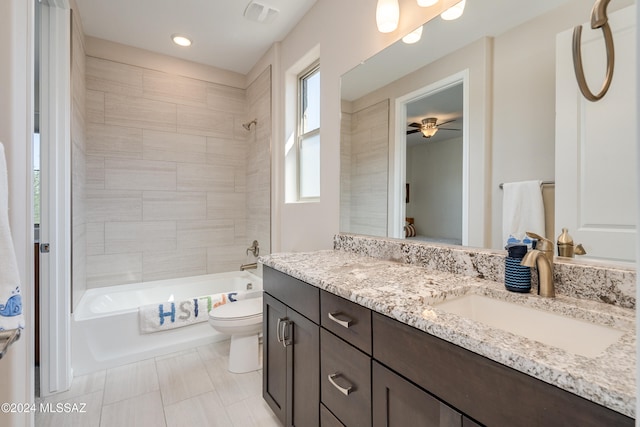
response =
{"points": [[566, 247]]}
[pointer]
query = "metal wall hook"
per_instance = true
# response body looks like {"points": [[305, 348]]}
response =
{"points": [[599, 19]]}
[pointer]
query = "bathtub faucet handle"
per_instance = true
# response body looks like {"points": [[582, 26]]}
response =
{"points": [[254, 249]]}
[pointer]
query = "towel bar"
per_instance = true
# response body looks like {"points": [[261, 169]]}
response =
{"points": [[543, 184], [7, 338]]}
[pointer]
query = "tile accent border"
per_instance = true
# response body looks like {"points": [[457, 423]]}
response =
{"points": [[611, 284]]}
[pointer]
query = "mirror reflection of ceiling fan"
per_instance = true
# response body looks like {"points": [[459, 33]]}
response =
{"points": [[429, 127]]}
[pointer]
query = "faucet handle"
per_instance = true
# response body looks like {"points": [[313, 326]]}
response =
{"points": [[543, 244]]}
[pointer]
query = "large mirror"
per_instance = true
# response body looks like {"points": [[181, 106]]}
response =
{"points": [[499, 60]]}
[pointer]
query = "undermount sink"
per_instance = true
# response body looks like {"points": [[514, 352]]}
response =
{"points": [[573, 335]]}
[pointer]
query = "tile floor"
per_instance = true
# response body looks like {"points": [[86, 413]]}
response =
{"points": [[187, 388]]}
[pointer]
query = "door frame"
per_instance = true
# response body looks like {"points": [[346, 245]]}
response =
{"points": [[55, 219]]}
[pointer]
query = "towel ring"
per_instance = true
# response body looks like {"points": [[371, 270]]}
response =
{"points": [[599, 19]]}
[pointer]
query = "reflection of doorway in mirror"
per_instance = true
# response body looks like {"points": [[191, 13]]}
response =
{"points": [[433, 162]]}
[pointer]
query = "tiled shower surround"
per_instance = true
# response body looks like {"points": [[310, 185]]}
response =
{"points": [[174, 186], [575, 278]]}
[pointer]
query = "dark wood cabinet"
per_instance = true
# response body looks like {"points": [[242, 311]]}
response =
{"points": [[291, 354], [397, 402]]}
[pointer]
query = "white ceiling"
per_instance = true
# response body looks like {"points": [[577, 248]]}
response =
{"points": [[221, 36], [444, 105]]}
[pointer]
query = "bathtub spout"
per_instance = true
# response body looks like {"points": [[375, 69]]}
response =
{"points": [[251, 266]]}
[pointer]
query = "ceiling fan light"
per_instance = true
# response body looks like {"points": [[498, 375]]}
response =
{"points": [[427, 3], [428, 132], [181, 40], [387, 15], [454, 12], [414, 36]]}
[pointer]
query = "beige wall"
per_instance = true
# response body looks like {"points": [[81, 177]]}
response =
{"points": [[169, 168]]}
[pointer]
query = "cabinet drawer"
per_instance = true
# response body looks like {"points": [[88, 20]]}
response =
{"points": [[327, 419], [301, 296], [345, 380], [348, 320]]}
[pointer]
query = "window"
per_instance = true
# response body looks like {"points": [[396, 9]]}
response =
{"points": [[308, 135]]}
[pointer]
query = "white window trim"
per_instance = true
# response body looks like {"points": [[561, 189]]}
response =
{"points": [[300, 136]]}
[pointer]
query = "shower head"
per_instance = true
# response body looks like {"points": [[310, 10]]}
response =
{"points": [[247, 125]]}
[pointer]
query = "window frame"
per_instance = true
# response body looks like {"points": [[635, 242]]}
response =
{"points": [[300, 135]]}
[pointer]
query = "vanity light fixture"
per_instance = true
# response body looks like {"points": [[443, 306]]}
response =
{"points": [[387, 15], [454, 12], [414, 36], [181, 40], [426, 3]]}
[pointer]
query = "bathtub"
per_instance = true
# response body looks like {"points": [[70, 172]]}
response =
{"points": [[105, 331]]}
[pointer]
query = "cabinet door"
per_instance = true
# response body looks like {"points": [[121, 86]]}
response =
{"points": [[274, 370], [303, 381], [399, 403]]}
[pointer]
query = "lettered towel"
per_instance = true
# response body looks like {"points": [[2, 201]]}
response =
{"points": [[11, 316], [522, 210]]}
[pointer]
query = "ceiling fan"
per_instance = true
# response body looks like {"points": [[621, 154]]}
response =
{"points": [[428, 127]]}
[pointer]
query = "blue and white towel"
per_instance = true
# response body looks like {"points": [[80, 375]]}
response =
{"points": [[176, 314], [11, 316]]}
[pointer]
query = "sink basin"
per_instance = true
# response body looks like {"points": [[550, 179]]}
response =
{"points": [[573, 335]]}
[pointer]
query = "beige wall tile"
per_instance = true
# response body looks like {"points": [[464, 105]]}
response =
{"points": [[201, 234], [226, 152], [94, 173], [113, 77], [95, 238], [175, 147], [199, 121], [225, 98], [110, 205], [172, 264], [114, 269], [193, 177], [171, 205], [226, 205], [114, 141], [175, 89], [227, 258], [121, 174], [124, 237], [95, 106], [122, 110]]}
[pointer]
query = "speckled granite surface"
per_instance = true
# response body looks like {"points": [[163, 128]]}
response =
{"points": [[614, 284], [405, 292]]}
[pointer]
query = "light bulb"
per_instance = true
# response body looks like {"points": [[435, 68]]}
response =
{"points": [[414, 36], [387, 15], [426, 3], [181, 40], [454, 12]]}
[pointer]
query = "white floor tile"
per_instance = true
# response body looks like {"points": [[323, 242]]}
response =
{"points": [[182, 377], [80, 411], [203, 410], [130, 380], [215, 350], [139, 411], [252, 412], [80, 386], [230, 387]]}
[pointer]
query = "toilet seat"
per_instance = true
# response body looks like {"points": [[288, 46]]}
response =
{"points": [[240, 310]]}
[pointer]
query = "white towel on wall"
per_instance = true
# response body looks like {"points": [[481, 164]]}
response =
{"points": [[11, 316], [522, 210]]}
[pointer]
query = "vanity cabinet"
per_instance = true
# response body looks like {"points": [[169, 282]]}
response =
{"points": [[291, 349]]}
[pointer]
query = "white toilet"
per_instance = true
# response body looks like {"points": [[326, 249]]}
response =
{"points": [[243, 321]]}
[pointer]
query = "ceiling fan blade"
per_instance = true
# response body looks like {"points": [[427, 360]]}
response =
{"points": [[444, 123], [414, 125], [409, 132], [439, 128]]}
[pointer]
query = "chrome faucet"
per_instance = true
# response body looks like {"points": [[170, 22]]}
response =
{"points": [[542, 259], [254, 249]]}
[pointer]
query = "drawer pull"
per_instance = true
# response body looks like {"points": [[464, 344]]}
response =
{"points": [[342, 390], [285, 339], [344, 323], [278, 329]]}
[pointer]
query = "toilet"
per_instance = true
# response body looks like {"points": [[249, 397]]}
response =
{"points": [[243, 321]]}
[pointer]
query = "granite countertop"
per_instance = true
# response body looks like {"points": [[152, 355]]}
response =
{"points": [[405, 292]]}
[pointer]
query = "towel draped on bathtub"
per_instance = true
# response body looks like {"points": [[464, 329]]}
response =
{"points": [[176, 314]]}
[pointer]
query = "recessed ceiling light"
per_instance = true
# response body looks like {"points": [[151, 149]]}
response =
{"points": [[181, 40]]}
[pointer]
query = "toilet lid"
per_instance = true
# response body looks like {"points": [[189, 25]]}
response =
{"points": [[238, 310]]}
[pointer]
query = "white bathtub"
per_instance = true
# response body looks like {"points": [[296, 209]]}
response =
{"points": [[105, 330]]}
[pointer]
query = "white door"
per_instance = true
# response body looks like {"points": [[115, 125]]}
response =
{"points": [[596, 183]]}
